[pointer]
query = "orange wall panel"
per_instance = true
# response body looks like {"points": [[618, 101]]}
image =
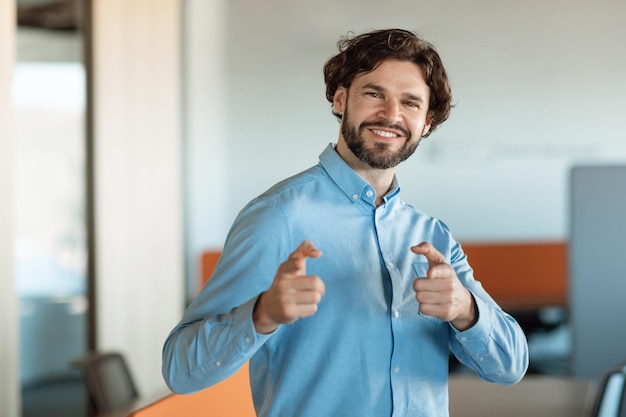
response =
{"points": [[521, 275], [524, 275]]}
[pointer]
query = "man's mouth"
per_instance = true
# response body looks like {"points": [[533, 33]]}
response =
{"points": [[384, 133]]}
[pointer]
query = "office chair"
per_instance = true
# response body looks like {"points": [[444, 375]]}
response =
{"points": [[610, 400], [108, 381]]}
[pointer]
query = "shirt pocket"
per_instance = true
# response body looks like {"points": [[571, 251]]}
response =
{"points": [[420, 269]]}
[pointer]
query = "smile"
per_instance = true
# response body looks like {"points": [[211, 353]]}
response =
{"points": [[384, 133]]}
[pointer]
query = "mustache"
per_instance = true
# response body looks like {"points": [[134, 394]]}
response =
{"points": [[384, 125]]}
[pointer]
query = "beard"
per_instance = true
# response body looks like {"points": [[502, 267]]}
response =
{"points": [[380, 156]]}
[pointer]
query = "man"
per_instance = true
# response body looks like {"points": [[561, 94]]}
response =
{"points": [[364, 329]]}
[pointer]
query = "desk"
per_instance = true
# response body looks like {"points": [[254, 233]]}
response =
{"points": [[533, 396], [136, 404]]}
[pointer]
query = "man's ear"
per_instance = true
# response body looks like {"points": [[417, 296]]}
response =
{"points": [[427, 124], [339, 100]]}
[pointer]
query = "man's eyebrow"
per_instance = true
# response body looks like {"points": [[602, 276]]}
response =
{"points": [[414, 98], [374, 87], [382, 90]]}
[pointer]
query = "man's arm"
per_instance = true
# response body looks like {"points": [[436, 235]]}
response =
{"points": [[201, 352], [484, 337], [441, 294], [216, 334], [293, 294]]}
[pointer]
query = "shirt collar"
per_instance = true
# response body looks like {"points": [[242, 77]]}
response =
{"points": [[351, 183], [394, 190]]}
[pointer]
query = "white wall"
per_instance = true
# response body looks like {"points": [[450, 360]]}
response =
{"points": [[9, 353], [538, 86], [204, 118], [138, 143]]}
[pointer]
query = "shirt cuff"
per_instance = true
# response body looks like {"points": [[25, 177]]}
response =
{"points": [[481, 329], [243, 320]]}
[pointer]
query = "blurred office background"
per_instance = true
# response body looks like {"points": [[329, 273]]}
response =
{"points": [[133, 131]]}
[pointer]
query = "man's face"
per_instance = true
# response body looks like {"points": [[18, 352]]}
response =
{"points": [[385, 113]]}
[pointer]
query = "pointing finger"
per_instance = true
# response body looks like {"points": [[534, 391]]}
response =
{"points": [[433, 255], [305, 250]]}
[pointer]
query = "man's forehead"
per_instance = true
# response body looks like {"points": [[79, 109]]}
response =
{"points": [[406, 75]]}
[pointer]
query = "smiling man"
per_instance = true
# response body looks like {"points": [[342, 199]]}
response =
{"points": [[346, 300]]}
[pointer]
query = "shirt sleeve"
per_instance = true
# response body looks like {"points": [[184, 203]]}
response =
{"points": [[216, 334], [495, 347], [205, 352]]}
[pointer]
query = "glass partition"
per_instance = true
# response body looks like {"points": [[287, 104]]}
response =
{"points": [[49, 97]]}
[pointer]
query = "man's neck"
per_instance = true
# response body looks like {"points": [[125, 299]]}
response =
{"points": [[381, 182], [379, 179]]}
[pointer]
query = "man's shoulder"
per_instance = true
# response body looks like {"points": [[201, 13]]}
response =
{"points": [[418, 216], [285, 197], [296, 184]]}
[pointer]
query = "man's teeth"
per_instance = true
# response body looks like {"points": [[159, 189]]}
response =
{"points": [[384, 133]]}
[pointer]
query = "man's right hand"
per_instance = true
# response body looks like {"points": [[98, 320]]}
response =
{"points": [[292, 295]]}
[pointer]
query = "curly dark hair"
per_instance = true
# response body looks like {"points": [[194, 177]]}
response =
{"points": [[364, 53]]}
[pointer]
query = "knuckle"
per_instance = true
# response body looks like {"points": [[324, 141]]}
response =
{"points": [[283, 284], [310, 310], [283, 300], [288, 314]]}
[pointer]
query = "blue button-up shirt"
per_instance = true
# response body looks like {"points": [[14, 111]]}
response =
{"points": [[367, 351]]}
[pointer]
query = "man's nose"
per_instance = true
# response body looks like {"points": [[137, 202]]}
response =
{"points": [[391, 111]]}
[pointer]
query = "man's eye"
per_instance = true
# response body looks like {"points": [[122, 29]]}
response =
{"points": [[372, 94], [413, 105]]}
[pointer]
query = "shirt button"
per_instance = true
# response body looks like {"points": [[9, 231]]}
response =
{"points": [[396, 314], [369, 193], [390, 264], [218, 363], [396, 369], [355, 196], [248, 340]]}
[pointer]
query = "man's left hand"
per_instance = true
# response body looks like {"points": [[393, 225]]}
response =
{"points": [[440, 293]]}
